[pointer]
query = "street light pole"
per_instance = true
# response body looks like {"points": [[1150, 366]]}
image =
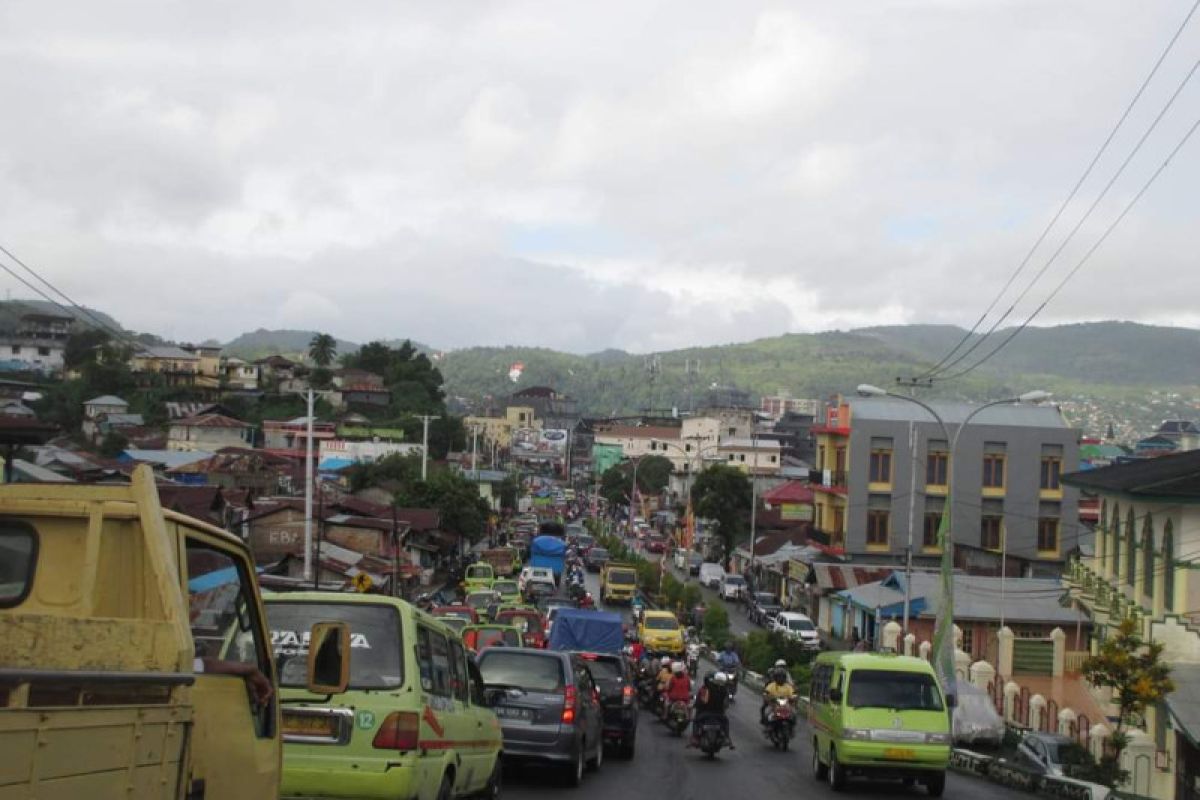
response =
{"points": [[425, 419], [308, 489], [753, 499], [943, 637]]}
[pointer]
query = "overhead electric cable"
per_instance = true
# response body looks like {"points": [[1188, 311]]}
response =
{"points": [[1079, 224], [1075, 190], [1128, 207]]}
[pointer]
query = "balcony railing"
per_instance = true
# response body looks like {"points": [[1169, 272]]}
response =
{"points": [[833, 479]]}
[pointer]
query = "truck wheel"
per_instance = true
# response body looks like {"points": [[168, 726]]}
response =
{"points": [[936, 784], [495, 783], [446, 789], [837, 775], [820, 771]]}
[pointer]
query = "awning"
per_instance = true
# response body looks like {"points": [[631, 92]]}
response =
{"points": [[1184, 703]]}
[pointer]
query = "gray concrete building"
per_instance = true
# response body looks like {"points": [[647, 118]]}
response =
{"points": [[1008, 500]]}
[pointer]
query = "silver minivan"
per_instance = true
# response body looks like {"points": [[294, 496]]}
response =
{"points": [[711, 575], [549, 708]]}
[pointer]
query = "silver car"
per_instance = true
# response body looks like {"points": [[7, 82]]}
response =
{"points": [[548, 706]]}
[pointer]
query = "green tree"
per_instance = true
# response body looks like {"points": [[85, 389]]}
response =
{"points": [[113, 444], [716, 625], [322, 349], [653, 474], [320, 378], [509, 491], [1134, 671], [83, 347], [723, 494], [396, 472], [457, 500]]}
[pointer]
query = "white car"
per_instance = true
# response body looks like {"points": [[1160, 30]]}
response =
{"points": [[797, 626], [732, 587], [534, 573], [711, 575]]}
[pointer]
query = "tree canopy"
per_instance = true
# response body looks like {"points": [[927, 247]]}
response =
{"points": [[653, 474], [322, 349], [722, 493], [414, 382]]}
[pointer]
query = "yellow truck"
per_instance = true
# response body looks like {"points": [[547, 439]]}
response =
{"points": [[618, 583], [136, 662]]}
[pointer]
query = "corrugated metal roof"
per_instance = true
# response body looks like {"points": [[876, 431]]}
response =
{"points": [[169, 459], [106, 400], [1021, 415], [979, 597]]}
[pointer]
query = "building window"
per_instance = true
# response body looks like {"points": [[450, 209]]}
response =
{"points": [[1148, 556], [1130, 546], [993, 471], [968, 640], [1168, 555], [1051, 469], [936, 469], [821, 457], [932, 523], [43, 351], [773, 458], [742, 458], [989, 532], [881, 466], [877, 528], [1116, 540], [16, 349], [1047, 535]]}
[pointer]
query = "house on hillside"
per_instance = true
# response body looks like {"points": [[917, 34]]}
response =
{"points": [[173, 365], [99, 408], [239, 375], [38, 344], [209, 432]]}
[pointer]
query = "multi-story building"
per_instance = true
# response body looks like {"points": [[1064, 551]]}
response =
{"points": [[1009, 503], [757, 457], [776, 406], [38, 344], [209, 432], [1143, 567]]}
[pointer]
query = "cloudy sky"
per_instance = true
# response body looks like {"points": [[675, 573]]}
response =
{"points": [[583, 175]]}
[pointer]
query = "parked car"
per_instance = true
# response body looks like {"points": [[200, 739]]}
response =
{"points": [[711, 575], [694, 562], [799, 627], [614, 678], [595, 559], [548, 706], [762, 608], [1050, 754], [733, 587]]}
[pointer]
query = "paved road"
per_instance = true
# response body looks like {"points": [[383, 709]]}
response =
{"points": [[664, 768]]}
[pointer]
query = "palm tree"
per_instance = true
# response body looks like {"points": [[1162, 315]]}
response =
{"points": [[322, 349]]}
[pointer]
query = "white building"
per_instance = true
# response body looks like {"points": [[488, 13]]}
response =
{"points": [[364, 451]]}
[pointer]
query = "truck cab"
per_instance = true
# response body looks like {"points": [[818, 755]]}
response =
{"points": [[137, 627]]}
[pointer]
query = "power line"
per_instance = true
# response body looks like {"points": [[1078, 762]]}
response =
{"points": [[1086, 256], [941, 365]]}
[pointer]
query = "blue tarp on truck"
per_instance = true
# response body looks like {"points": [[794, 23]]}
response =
{"points": [[549, 552], [590, 631]]}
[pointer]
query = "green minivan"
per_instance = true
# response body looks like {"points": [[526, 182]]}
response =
{"points": [[878, 715], [412, 722]]}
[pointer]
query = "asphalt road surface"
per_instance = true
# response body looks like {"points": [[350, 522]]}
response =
{"points": [[663, 767]]}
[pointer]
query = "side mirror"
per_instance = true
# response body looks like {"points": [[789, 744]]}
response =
{"points": [[329, 658], [835, 695]]}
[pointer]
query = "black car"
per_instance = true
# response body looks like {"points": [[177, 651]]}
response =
{"points": [[548, 706], [761, 607], [694, 562], [614, 678], [595, 559]]}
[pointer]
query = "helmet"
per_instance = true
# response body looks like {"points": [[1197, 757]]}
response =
{"points": [[665, 661], [720, 678], [677, 667], [778, 674], [781, 663]]}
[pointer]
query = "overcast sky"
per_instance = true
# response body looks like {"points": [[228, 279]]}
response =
{"points": [[583, 175]]}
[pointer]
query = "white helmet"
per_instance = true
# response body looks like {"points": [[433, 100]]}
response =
{"points": [[720, 679], [666, 661], [781, 663], [677, 667]]}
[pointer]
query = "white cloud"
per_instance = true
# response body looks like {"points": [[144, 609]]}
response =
{"points": [[655, 174]]}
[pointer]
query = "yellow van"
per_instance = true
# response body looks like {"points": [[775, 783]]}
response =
{"points": [[412, 722], [135, 659], [878, 715]]}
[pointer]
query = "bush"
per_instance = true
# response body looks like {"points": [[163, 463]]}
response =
{"points": [[716, 626]]}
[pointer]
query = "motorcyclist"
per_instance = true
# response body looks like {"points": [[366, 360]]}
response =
{"points": [[664, 674], [712, 702], [586, 601], [778, 685], [728, 660], [680, 686]]}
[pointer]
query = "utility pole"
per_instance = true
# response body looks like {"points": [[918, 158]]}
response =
{"points": [[426, 419], [753, 497], [308, 491], [475, 451], [912, 521]]}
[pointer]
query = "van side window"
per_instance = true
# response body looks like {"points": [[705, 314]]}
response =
{"points": [[439, 662], [458, 670], [18, 556], [221, 610], [478, 696], [425, 658]]}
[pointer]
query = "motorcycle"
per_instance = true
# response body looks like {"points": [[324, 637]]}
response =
{"points": [[693, 659], [678, 717], [780, 724], [710, 737]]}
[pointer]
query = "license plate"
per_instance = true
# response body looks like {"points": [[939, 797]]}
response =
{"points": [[514, 713], [899, 753], [308, 724]]}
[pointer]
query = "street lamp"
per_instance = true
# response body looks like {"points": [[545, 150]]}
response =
{"points": [[693, 458], [943, 632]]}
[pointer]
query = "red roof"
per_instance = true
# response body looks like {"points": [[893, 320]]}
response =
{"points": [[836, 577], [420, 519], [790, 492]]}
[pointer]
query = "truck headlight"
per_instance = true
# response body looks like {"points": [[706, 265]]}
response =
{"points": [[937, 738], [857, 734]]}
